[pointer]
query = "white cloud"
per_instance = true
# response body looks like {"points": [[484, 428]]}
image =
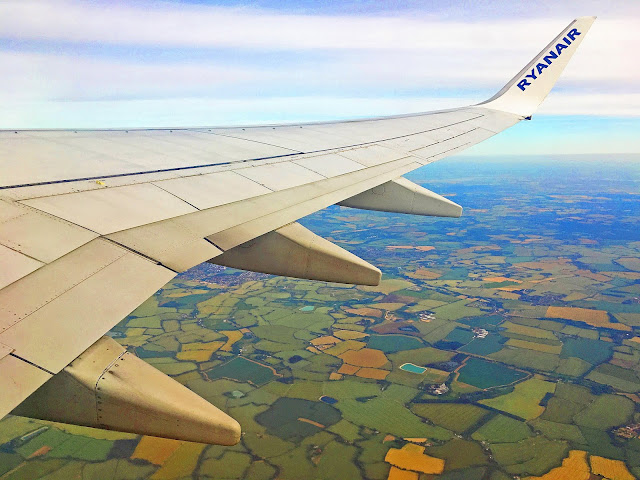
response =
{"points": [[405, 59]]}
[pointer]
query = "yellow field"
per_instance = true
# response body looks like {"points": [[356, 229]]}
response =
{"points": [[398, 474], [508, 295], [326, 340], [528, 331], [412, 457], [388, 286], [155, 450], [500, 279], [424, 274], [595, 318], [611, 469], [349, 334], [198, 351], [182, 462], [233, 336], [194, 355], [574, 467], [347, 369], [365, 357], [345, 346], [364, 311], [538, 347]]}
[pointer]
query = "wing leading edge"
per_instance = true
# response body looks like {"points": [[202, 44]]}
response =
{"points": [[95, 221]]}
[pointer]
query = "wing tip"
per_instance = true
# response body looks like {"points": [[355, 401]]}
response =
{"points": [[525, 92]]}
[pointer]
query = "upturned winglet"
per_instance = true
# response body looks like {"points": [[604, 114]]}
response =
{"points": [[526, 91]]}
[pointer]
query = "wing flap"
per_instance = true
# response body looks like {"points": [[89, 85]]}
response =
{"points": [[74, 300], [18, 380], [113, 209]]}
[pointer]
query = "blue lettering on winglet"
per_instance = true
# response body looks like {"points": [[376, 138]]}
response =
{"points": [[548, 59]]}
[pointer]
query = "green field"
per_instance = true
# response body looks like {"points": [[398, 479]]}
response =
{"points": [[455, 417], [524, 400], [592, 351], [282, 419], [484, 374], [484, 346], [502, 429], [242, 370], [532, 456], [394, 343], [605, 411]]}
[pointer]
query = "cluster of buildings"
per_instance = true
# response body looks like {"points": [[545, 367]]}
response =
{"points": [[436, 389], [628, 431], [427, 316], [479, 332]]}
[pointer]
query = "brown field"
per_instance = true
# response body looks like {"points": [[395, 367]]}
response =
{"points": [[364, 312], [412, 457], [479, 248], [344, 346], [393, 327], [595, 318], [389, 306], [423, 248], [500, 279], [326, 340], [598, 277], [424, 274], [41, 451], [508, 295], [335, 376], [346, 369], [373, 373], [544, 264], [155, 450], [626, 275], [365, 357], [630, 263], [311, 422]]}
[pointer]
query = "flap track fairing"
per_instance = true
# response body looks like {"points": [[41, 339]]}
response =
{"points": [[294, 251], [404, 196]]}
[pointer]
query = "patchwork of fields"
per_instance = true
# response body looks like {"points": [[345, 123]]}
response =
{"points": [[521, 319]]}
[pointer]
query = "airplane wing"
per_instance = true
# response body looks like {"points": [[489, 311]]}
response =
{"points": [[93, 222]]}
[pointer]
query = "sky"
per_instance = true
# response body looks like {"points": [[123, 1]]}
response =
{"points": [[90, 64]]}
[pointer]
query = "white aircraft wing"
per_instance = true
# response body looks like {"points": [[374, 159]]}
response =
{"points": [[93, 222]]}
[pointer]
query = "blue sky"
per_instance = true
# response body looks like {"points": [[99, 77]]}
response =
{"points": [[125, 64]]}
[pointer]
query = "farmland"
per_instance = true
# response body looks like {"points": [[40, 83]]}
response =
{"points": [[521, 319]]}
